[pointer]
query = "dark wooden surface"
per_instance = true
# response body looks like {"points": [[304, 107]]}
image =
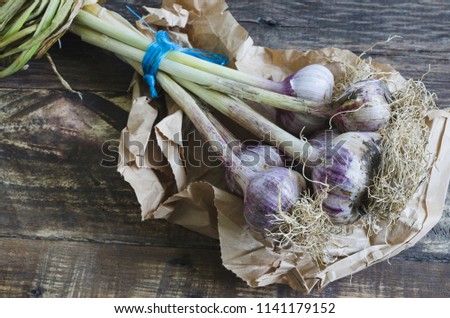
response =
{"points": [[71, 228]]}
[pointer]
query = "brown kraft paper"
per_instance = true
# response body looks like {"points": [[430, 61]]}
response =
{"points": [[168, 186]]}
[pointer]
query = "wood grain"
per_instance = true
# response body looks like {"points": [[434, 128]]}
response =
{"points": [[75, 269], [70, 227], [53, 182], [356, 26], [84, 67]]}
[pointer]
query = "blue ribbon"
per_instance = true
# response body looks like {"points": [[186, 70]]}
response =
{"points": [[158, 50]]}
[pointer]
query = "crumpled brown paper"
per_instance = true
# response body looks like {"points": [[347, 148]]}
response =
{"points": [[193, 196]]}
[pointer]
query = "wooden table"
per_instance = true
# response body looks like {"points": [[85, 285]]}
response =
{"points": [[71, 228]]}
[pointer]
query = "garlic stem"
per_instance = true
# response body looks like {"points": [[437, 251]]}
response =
{"points": [[235, 144], [213, 82], [189, 106], [89, 17], [20, 21], [226, 72], [17, 36], [242, 175], [247, 117], [244, 91], [115, 31], [101, 40]]}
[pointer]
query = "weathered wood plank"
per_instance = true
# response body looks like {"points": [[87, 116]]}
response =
{"points": [[73, 269], [83, 66], [51, 177]]}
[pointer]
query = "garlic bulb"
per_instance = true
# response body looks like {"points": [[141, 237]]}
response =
{"points": [[323, 138], [276, 189], [363, 107], [257, 158], [296, 123], [347, 168], [266, 192], [314, 83]]}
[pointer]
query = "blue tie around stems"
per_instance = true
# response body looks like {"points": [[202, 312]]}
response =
{"points": [[159, 48]]}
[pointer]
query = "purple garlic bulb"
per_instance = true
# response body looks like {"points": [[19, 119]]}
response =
{"points": [[268, 192], [320, 140], [323, 138], [314, 83], [347, 168], [363, 107], [257, 158], [296, 123]]}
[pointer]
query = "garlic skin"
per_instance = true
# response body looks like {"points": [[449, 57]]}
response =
{"points": [[348, 171], [323, 138], [253, 158], [257, 158], [276, 189], [297, 123], [320, 140], [314, 83], [363, 107]]}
